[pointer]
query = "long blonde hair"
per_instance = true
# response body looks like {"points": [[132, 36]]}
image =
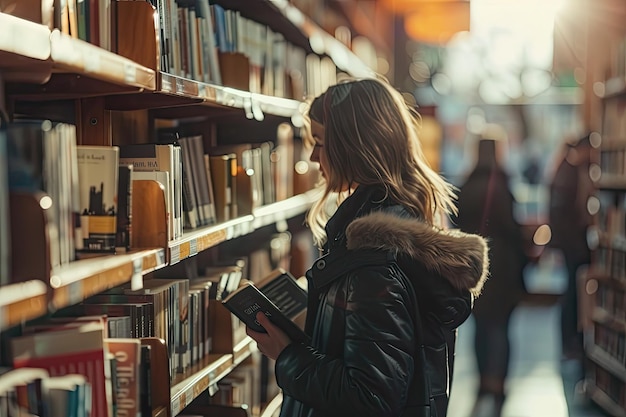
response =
{"points": [[371, 138]]}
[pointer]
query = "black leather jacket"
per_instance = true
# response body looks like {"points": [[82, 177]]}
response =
{"points": [[368, 344]]}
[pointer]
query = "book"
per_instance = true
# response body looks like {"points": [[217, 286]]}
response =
{"points": [[145, 385], [191, 190], [205, 318], [70, 350], [127, 391], [223, 176], [201, 173], [98, 168], [248, 300], [282, 288], [203, 11], [124, 208], [21, 391], [41, 156], [66, 395], [159, 157], [247, 194]]}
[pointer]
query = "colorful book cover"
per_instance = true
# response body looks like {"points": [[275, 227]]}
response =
{"points": [[78, 350]]}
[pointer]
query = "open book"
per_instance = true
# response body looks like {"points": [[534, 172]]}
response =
{"points": [[281, 299]]}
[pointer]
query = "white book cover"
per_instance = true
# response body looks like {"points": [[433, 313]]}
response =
{"points": [[97, 177]]}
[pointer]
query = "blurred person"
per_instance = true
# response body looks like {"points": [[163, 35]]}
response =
{"points": [[392, 283], [570, 188], [485, 207]]}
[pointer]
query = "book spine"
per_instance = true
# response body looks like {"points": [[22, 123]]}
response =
{"points": [[127, 354], [190, 205], [145, 379], [124, 208]]}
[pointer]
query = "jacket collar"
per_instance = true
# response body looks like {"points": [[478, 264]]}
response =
{"points": [[367, 224], [363, 200], [461, 258]]}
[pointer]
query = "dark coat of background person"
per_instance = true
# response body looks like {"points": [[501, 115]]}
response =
{"points": [[486, 207], [570, 189]]}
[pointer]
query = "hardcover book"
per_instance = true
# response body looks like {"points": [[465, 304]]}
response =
{"points": [[70, 350], [248, 300], [128, 358], [98, 173], [223, 175]]}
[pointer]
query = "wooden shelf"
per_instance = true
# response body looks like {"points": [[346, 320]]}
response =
{"points": [[77, 56], [603, 400], [255, 105], [173, 84], [22, 301], [24, 38], [197, 240], [31, 53], [24, 50], [207, 375], [606, 361], [601, 316], [614, 87], [612, 182], [283, 210], [79, 280], [175, 91], [201, 239]]}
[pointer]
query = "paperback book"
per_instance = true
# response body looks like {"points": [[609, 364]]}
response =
{"points": [[287, 300]]}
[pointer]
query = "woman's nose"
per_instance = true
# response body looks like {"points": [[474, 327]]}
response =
{"points": [[315, 155]]}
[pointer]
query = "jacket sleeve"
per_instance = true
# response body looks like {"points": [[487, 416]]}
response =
{"points": [[372, 375]]}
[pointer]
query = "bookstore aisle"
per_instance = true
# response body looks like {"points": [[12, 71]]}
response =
{"points": [[539, 383]]}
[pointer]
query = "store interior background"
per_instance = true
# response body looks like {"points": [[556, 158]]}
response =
{"points": [[536, 67]]}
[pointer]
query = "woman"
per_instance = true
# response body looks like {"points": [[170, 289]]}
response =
{"points": [[392, 284], [485, 206]]}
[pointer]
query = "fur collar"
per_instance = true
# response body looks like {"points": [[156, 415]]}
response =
{"points": [[459, 257]]}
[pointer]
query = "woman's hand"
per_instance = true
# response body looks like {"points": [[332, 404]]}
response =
{"points": [[271, 343]]}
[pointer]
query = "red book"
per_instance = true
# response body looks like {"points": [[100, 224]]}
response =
{"points": [[127, 353], [77, 350]]}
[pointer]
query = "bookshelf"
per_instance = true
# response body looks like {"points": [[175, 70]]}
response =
{"points": [[602, 285], [45, 73]]}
